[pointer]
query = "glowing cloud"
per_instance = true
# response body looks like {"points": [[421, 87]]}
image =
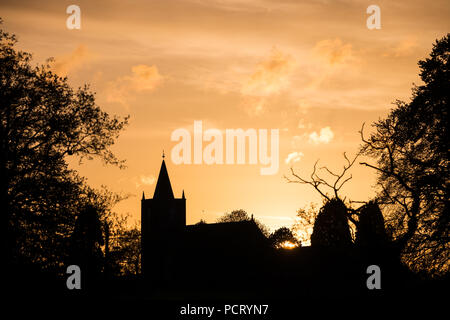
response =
{"points": [[270, 78], [325, 136], [67, 63], [294, 157], [143, 78], [146, 180], [404, 48], [334, 52]]}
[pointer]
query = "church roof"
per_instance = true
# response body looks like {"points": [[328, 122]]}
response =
{"points": [[163, 188]]}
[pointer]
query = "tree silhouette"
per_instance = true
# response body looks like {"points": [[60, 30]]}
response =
{"points": [[123, 255], [130, 246], [371, 231], [86, 241], [282, 235], [235, 216], [331, 227], [242, 215], [43, 121], [319, 183], [411, 149]]}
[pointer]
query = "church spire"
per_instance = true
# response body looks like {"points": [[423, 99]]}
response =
{"points": [[163, 188]]}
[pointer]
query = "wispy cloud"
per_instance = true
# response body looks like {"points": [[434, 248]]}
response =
{"points": [[143, 78], [144, 180], [271, 77], [404, 48], [294, 157], [334, 51], [331, 57], [241, 5], [70, 62]]}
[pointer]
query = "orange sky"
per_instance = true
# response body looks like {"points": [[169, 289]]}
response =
{"points": [[311, 69]]}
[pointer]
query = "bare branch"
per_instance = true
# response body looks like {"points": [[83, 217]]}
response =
{"points": [[343, 182], [317, 182], [330, 172]]}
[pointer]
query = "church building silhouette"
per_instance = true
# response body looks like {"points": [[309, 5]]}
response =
{"points": [[174, 253]]}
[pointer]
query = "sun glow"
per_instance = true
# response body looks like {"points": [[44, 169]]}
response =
{"points": [[288, 245]]}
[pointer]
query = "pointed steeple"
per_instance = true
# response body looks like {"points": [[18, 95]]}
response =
{"points": [[163, 188], [182, 196], [143, 195]]}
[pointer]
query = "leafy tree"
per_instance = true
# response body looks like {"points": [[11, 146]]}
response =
{"points": [[242, 215], [281, 236], [122, 247], [235, 216], [42, 122], [131, 248], [411, 149]]}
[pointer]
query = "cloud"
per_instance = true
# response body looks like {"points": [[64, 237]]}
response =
{"points": [[404, 48], [294, 157], [70, 62], [325, 136], [144, 180], [271, 75], [270, 78], [143, 78], [250, 6], [148, 180], [331, 57], [334, 51]]}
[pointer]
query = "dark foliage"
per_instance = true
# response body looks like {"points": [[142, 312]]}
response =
{"points": [[371, 231], [282, 235], [331, 227], [411, 147], [242, 215], [43, 121]]}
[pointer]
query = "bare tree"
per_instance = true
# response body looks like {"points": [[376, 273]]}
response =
{"points": [[331, 226], [319, 183]]}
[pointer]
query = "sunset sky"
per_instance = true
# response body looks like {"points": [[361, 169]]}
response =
{"points": [[311, 69]]}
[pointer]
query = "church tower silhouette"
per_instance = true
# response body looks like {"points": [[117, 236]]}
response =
{"points": [[163, 220]]}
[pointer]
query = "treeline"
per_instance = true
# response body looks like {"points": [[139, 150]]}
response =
{"points": [[49, 216], [409, 151]]}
